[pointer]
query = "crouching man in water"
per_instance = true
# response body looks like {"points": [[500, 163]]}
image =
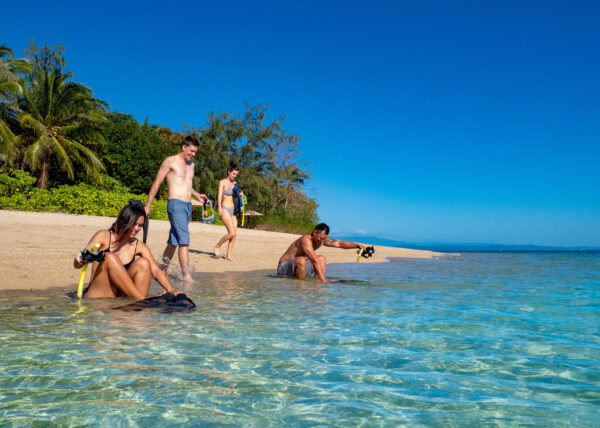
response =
{"points": [[301, 260], [124, 265]]}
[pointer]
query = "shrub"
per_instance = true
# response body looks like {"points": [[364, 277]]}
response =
{"points": [[16, 181], [17, 192]]}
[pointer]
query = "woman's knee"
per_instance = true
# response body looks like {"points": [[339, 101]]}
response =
{"points": [[143, 263], [112, 259]]}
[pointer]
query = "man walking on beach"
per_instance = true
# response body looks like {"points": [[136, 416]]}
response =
{"points": [[179, 172], [300, 260]]}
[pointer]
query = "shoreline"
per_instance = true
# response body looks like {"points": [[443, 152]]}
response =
{"points": [[37, 248]]}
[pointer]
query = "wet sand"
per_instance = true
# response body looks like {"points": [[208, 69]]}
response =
{"points": [[37, 249]]}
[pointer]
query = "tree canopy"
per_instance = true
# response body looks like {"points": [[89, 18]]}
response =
{"points": [[55, 129]]}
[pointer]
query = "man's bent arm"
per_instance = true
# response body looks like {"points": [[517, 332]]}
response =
{"points": [[160, 177], [309, 252]]}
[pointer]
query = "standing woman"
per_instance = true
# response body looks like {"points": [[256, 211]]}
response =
{"points": [[124, 266], [227, 208]]}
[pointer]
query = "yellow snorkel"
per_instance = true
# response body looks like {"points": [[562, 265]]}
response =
{"points": [[366, 253], [94, 250], [244, 202], [359, 252]]}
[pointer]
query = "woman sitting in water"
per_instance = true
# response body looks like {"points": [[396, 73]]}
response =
{"points": [[120, 273], [226, 209]]}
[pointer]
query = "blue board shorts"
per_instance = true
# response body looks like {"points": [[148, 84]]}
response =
{"points": [[180, 214], [288, 269]]}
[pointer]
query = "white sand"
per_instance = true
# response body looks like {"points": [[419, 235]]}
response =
{"points": [[37, 249]]}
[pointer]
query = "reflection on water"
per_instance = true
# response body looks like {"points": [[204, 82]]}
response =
{"points": [[493, 339]]}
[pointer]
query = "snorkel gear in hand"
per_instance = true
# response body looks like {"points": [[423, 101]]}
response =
{"points": [[93, 252], [366, 253], [94, 255], [206, 218]]}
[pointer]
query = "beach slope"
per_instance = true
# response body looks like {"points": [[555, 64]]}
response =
{"points": [[37, 249]]}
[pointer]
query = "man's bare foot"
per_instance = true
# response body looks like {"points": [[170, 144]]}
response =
{"points": [[217, 254], [188, 278], [229, 258]]}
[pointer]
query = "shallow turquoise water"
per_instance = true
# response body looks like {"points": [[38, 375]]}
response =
{"points": [[475, 339]]}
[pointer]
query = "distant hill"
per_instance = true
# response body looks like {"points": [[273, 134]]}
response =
{"points": [[462, 247]]}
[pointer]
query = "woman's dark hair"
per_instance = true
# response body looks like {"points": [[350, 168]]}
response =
{"points": [[232, 167], [127, 218]]}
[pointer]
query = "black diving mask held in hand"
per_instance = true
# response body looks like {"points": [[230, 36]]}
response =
{"points": [[367, 252]]}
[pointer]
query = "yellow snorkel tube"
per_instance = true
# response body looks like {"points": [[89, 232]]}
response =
{"points": [[244, 202], [360, 251], [94, 250]]}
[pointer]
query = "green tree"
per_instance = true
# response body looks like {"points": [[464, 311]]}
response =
{"points": [[133, 153], [10, 71], [267, 155], [219, 143], [293, 179], [58, 118]]}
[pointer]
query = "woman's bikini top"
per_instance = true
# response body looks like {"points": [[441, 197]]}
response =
{"points": [[228, 191], [107, 250]]}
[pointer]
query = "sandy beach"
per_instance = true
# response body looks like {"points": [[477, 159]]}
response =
{"points": [[37, 249]]}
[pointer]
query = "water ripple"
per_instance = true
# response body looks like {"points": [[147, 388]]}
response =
{"points": [[478, 339]]}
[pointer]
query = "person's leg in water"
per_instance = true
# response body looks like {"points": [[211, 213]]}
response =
{"points": [[111, 279], [231, 223], [179, 236], [183, 253], [300, 266], [166, 257]]}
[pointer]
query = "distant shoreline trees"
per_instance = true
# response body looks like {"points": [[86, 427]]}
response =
{"points": [[56, 130]]}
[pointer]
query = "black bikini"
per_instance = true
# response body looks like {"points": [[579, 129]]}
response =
{"points": [[127, 265]]}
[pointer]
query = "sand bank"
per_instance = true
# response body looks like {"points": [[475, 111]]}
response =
{"points": [[37, 249]]}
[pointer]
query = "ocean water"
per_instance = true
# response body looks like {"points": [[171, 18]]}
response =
{"points": [[494, 339]]}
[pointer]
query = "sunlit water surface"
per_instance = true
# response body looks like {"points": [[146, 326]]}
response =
{"points": [[473, 339]]}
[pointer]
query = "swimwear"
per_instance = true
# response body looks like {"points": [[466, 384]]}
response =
{"points": [[102, 254], [180, 214], [108, 251], [228, 192], [288, 269], [133, 259]]}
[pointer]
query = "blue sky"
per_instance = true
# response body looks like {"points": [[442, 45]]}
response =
{"points": [[447, 121]]}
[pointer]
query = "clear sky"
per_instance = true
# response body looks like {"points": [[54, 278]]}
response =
{"points": [[428, 120]]}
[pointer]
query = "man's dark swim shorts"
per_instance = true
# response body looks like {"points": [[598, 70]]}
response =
{"points": [[287, 269]]}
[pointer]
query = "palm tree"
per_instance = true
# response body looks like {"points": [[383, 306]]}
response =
{"points": [[293, 178], [57, 117], [10, 69]]}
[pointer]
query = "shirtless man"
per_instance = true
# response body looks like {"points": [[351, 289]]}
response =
{"points": [[301, 260], [179, 172]]}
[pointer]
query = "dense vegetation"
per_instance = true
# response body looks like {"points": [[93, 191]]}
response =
{"points": [[61, 149]]}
